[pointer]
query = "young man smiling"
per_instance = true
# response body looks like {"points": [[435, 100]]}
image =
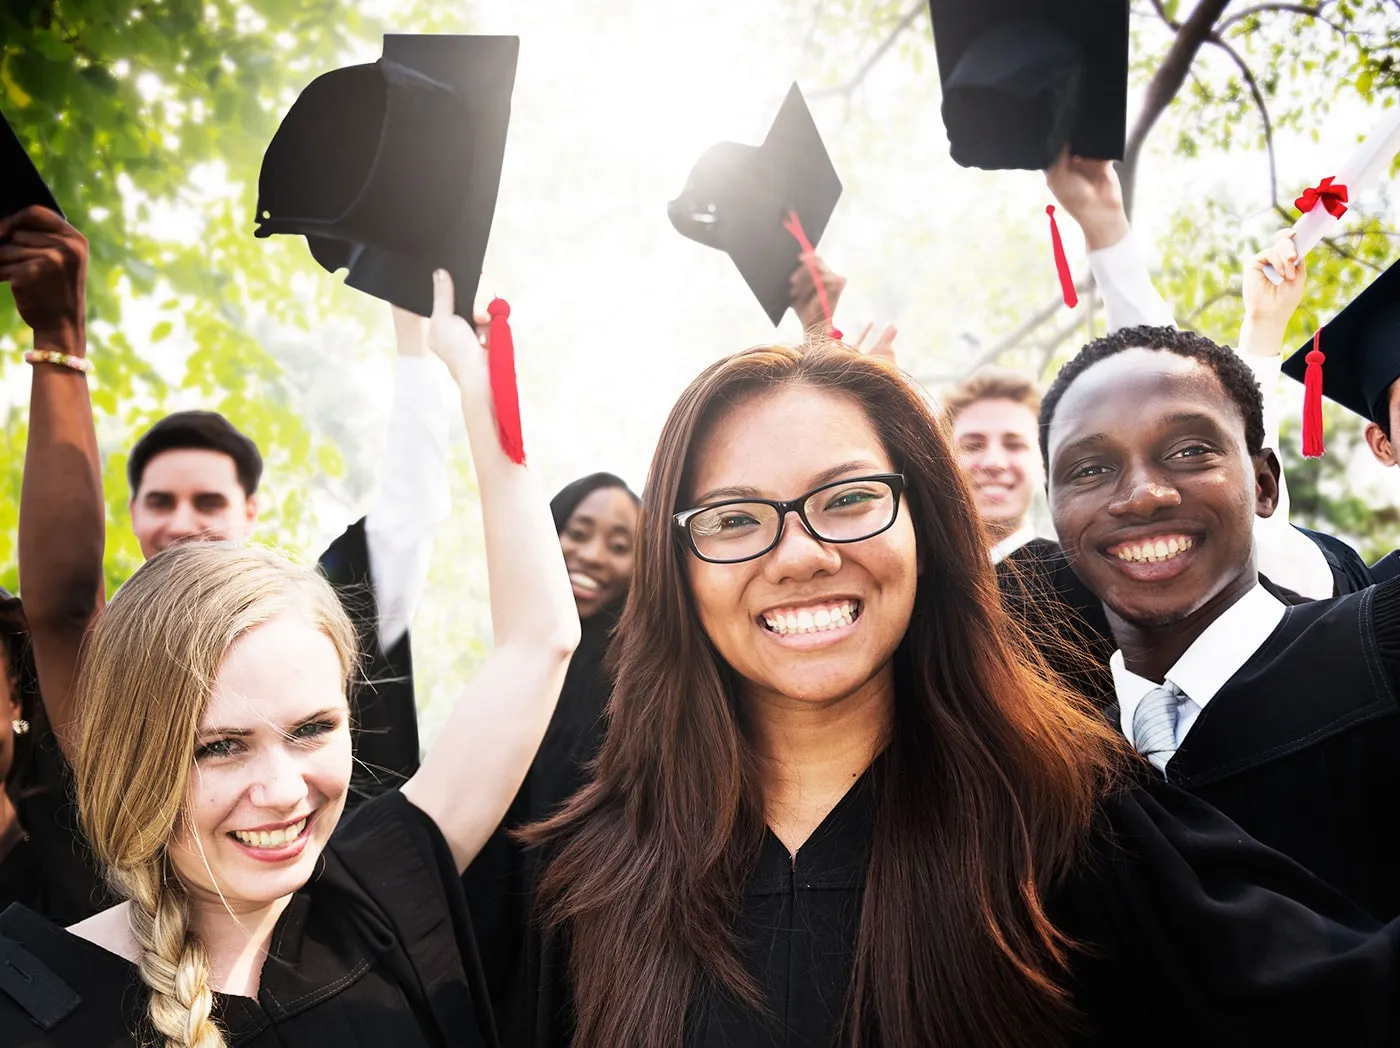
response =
{"points": [[1281, 713]]}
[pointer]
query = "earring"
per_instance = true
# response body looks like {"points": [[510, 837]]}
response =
{"points": [[21, 727]]}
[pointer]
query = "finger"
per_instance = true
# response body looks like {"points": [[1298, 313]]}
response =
{"points": [[35, 216], [444, 297]]}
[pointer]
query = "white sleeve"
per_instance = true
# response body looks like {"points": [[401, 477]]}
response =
{"points": [[1284, 554], [413, 496], [1129, 297]]}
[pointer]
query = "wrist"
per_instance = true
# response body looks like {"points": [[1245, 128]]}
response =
{"points": [[68, 339], [1104, 231], [1262, 335]]}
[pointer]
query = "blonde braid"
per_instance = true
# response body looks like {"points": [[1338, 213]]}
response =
{"points": [[173, 962]]}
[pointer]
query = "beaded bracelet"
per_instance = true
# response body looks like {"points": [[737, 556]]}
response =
{"points": [[50, 356]]}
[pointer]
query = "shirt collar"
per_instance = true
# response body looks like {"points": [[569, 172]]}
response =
{"points": [[1009, 545], [1215, 656]]}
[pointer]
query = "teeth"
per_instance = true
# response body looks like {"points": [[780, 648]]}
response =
{"points": [[270, 839], [819, 620], [1155, 552], [582, 581]]}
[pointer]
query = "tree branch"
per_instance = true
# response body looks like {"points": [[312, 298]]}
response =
{"points": [[1253, 85], [848, 88], [1010, 341], [1331, 242], [1162, 13], [1219, 296], [1297, 9], [1059, 336], [1165, 84]]}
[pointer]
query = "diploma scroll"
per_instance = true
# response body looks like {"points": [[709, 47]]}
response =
{"points": [[1370, 158]]}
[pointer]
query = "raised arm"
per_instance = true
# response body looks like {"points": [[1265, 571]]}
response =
{"points": [[480, 759], [1285, 555], [1090, 192], [62, 518]]}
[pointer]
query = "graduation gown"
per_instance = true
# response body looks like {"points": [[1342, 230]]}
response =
{"points": [[1059, 613], [385, 717], [375, 951], [1190, 934], [1301, 747]]}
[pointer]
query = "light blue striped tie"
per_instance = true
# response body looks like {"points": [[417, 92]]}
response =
{"points": [[1154, 723]]}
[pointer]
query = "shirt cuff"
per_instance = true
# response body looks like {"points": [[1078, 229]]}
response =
{"points": [[1129, 297]]}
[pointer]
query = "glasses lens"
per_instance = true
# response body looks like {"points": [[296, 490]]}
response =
{"points": [[734, 532], [851, 511]]}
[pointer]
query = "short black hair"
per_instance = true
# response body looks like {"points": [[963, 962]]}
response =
{"points": [[202, 430], [1234, 374]]}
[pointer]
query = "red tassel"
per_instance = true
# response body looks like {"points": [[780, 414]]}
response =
{"points": [[1061, 262], [1312, 399], [500, 358], [794, 226]]}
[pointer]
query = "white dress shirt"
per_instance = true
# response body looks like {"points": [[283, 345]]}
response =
{"points": [[1009, 545], [1284, 555], [1205, 667], [413, 497]]}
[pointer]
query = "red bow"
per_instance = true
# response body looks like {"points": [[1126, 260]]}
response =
{"points": [[1333, 198]]}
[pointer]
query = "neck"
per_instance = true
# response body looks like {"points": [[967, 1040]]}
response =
{"points": [[812, 752], [1002, 529], [1150, 650], [236, 941]]}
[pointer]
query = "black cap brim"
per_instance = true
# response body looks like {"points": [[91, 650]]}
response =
{"points": [[424, 191], [20, 183], [1021, 78], [738, 198], [1361, 347]]}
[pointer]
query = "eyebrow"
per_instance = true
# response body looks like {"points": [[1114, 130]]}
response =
{"points": [[826, 476], [244, 733], [1174, 419]]}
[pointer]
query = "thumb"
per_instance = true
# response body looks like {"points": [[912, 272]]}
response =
{"points": [[444, 297]]}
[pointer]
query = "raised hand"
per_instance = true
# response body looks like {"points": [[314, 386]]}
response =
{"points": [[44, 260], [1268, 308], [454, 340], [806, 302], [1089, 190], [883, 348]]}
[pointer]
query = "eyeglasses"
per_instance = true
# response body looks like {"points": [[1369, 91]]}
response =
{"points": [[737, 530]]}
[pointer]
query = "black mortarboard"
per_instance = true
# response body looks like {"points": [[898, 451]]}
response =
{"points": [[20, 184], [1361, 347], [1023, 77], [390, 170], [738, 199]]}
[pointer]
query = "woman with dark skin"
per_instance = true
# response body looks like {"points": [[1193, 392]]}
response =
{"points": [[841, 801]]}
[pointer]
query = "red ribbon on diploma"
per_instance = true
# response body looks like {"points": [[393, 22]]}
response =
{"points": [[794, 226], [1333, 198]]}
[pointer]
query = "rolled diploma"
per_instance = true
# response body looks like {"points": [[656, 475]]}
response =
{"points": [[1361, 167]]}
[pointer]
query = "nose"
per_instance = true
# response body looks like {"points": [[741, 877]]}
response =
{"points": [[280, 785], [590, 553], [992, 457], [184, 521], [799, 554], [1143, 495]]}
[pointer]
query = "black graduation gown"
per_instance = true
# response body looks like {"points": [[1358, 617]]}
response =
{"points": [[1349, 571], [376, 951], [1045, 595], [1301, 747], [382, 700], [1192, 934]]}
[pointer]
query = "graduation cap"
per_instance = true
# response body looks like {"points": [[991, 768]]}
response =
{"points": [[1361, 349], [390, 170], [742, 200], [1023, 77], [20, 184]]}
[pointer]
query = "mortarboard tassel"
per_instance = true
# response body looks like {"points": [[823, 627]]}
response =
{"points": [[1061, 262], [505, 398], [794, 226], [1312, 399]]}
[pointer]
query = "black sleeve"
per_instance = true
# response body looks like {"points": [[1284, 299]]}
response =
{"points": [[382, 701], [1200, 935], [393, 858]]}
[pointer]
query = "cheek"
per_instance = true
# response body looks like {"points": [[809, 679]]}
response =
{"points": [[328, 769]]}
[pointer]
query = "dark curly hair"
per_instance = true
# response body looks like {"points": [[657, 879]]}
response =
{"points": [[1234, 374]]}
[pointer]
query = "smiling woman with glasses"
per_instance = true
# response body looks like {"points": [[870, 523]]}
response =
{"points": [[841, 802]]}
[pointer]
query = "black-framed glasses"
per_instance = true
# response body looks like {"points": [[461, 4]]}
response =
{"points": [[737, 530]]}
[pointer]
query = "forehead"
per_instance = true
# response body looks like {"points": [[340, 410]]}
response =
{"points": [[995, 417], [1123, 396], [608, 506], [190, 469], [775, 442], [276, 673]]}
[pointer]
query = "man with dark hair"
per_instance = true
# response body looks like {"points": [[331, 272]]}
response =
{"points": [[1281, 712]]}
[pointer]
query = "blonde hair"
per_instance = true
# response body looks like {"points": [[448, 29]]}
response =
{"points": [[146, 676], [990, 383]]}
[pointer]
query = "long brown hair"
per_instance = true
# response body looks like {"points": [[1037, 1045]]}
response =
{"points": [[983, 798]]}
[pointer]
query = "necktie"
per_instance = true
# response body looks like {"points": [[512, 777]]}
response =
{"points": [[1154, 724]]}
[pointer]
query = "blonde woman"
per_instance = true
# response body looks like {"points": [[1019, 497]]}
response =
{"points": [[211, 775]]}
